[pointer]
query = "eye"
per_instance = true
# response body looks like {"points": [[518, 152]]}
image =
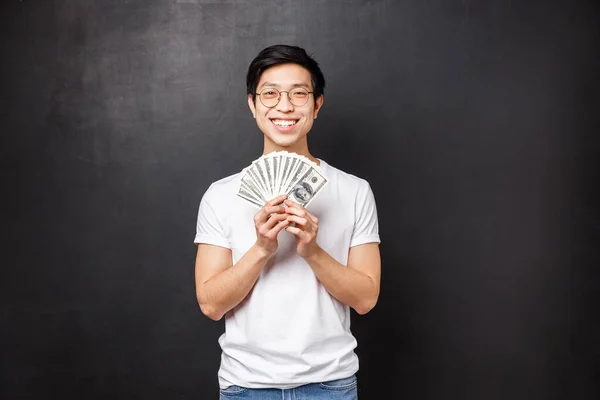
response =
{"points": [[269, 93], [299, 94]]}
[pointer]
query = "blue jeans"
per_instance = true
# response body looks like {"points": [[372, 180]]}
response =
{"points": [[340, 389]]}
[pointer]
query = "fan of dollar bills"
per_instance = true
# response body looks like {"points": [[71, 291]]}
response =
{"points": [[279, 173]]}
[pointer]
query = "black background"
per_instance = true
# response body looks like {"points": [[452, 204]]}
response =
{"points": [[474, 121]]}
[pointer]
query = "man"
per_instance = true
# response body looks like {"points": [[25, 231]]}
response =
{"points": [[285, 277]]}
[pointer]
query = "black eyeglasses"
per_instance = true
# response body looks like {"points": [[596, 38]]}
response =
{"points": [[270, 97]]}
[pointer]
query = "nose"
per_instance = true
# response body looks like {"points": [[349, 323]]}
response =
{"points": [[284, 105]]}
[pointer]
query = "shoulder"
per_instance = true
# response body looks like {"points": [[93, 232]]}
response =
{"points": [[221, 190], [346, 180]]}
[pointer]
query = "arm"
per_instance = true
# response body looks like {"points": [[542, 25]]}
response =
{"points": [[220, 286], [356, 285]]}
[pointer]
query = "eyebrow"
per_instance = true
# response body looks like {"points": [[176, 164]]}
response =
{"points": [[295, 85]]}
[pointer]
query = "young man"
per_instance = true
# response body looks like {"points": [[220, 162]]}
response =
{"points": [[285, 277]]}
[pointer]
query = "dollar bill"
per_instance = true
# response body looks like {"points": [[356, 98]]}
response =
{"points": [[285, 171], [280, 173], [262, 176], [248, 183], [244, 194], [307, 187], [268, 164]]}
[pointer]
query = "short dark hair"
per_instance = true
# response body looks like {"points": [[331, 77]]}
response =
{"points": [[284, 54]]}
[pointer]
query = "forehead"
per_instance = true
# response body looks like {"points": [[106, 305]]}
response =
{"points": [[285, 75]]}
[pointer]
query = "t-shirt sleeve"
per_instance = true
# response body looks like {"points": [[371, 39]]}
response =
{"points": [[208, 227], [366, 226]]}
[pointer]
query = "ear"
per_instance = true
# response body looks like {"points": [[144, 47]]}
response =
{"points": [[318, 105], [251, 105]]}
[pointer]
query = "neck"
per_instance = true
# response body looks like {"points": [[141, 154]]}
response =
{"points": [[300, 148]]}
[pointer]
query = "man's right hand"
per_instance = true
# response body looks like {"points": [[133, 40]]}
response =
{"points": [[269, 221]]}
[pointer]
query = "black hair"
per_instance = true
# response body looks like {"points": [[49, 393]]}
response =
{"points": [[284, 54]]}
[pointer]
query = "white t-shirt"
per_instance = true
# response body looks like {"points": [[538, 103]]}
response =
{"points": [[289, 331]]}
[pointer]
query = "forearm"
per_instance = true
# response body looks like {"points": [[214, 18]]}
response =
{"points": [[226, 290], [347, 285]]}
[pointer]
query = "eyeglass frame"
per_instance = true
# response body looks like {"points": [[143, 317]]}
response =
{"points": [[279, 99]]}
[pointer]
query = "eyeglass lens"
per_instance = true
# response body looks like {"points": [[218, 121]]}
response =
{"points": [[271, 97]]}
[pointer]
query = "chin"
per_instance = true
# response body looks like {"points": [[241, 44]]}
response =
{"points": [[283, 141]]}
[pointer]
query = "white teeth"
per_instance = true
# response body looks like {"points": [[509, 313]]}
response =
{"points": [[282, 122]]}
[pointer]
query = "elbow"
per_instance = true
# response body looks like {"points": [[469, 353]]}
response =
{"points": [[364, 308], [209, 310], [366, 305]]}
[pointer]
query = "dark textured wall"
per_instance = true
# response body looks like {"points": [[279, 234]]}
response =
{"points": [[474, 121]]}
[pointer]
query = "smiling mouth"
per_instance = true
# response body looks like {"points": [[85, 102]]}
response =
{"points": [[284, 123]]}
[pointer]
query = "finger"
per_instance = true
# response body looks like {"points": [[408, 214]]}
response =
{"points": [[296, 231], [277, 228], [297, 209], [274, 210], [277, 200], [309, 215], [293, 204], [301, 212], [298, 220], [272, 221], [266, 211]]}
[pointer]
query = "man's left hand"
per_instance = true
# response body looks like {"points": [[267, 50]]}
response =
{"points": [[305, 229]]}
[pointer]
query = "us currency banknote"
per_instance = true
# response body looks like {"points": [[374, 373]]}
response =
{"points": [[278, 173]]}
